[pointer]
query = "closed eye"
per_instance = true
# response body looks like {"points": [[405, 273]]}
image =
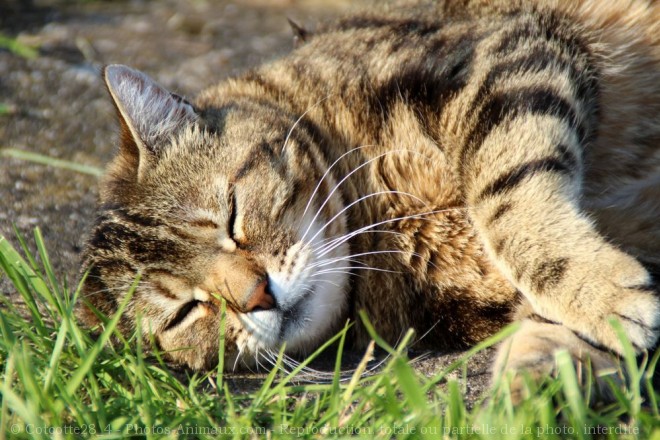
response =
{"points": [[231, 222], [204, 223], [182, 313]]}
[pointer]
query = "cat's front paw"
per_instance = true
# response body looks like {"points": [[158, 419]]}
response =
{"points": [[623, 291], [639, 314]]}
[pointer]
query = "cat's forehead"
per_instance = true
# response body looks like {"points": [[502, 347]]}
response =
{"points": [[201, 150], [203, 164]]}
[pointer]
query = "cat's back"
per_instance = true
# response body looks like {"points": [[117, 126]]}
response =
{"points": [[390, 82], [391, 79]]}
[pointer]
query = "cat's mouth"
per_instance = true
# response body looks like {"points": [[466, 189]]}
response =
{"points": [[291, 325], [294, 318]]}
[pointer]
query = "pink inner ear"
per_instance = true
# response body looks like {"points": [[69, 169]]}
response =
{"points": [[151, 112]]}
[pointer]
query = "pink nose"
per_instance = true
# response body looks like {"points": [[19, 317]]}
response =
{"points": [[260, 299]]}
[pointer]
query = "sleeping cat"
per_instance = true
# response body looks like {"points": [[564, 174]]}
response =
{"points": [[448, 167]]}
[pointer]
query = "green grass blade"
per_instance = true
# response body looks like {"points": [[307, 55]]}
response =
{"points": [[55, 290], [455, 407], [335, 395], [373, 334], [23, 409], [486, 343], [17, 48], [20, 266], [6, 109], [306, 362], [51, 161], [650, 390], [572, 390], [24, 279], [4, 409], [221, 343], [91, 356], [26, 250], [632, 370], [410, 387], [56, 355], [348, 393], [8, 337]]}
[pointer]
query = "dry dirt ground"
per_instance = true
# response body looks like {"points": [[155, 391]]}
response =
{"points": [[58, 106]]}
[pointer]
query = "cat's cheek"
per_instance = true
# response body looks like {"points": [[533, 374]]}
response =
{"points": [[321, 314]]}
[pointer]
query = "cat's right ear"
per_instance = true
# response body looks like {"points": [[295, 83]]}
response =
{"points": [[149, 115]]}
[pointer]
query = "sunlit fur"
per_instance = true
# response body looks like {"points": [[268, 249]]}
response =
{"points": [[447, 167], [170, 224]]}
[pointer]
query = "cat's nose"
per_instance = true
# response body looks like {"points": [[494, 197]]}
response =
{"points": [[260, 299]]}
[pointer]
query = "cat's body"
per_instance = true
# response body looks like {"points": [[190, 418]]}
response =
{"points": [[507, 156]]}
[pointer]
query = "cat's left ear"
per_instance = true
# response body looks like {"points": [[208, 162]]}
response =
{"points": [[300, 34], [149, 113]]}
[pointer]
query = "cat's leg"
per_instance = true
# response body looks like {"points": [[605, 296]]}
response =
{"points": [[527, 211], [524, 129]]}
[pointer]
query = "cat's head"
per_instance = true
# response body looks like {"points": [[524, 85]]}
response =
{"points": [[218, 201]]}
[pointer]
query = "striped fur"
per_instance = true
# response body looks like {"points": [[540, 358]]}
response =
{"points": [[479, 158]]}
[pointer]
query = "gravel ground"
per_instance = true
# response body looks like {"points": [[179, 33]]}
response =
{"points": [[59, 107]]}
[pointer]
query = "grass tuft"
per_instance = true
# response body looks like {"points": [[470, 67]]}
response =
{"points": [[58, 381]]}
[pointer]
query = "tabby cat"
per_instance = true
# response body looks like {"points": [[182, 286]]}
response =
{"points": [[448, 167]]}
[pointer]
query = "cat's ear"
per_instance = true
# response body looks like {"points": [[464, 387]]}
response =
{"points": [[300, 34], [149, 114]]}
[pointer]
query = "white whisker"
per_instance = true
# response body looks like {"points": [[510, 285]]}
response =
{"points": [[240, 349], [347, 259], [426, 333], [327, 199], [379, 231], [295, 124], [336, 270], [330, 282], [318, 185], [332, 245], [362, 254], [329, 222], [333, 271]]}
